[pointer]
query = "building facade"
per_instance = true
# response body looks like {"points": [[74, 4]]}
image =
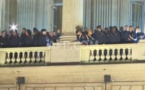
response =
{"points": [[67, 14]]}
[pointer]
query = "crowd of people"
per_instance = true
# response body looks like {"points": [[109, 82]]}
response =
{"points": [[112, 35], [28, 39]]}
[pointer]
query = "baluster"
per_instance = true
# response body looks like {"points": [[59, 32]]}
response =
{"points": [[13, 58], [116, 54], [18, 57], [105, 55], [113, 54], [121, 54], [23, 58], [91, 56], [110, 54], [100, 55], [130, 54], [8, 58], [33, 57], [28, 57], [43, 57], [127, 54], [95, 55], [38, 57]]}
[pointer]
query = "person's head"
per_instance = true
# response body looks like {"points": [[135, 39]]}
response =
{"points": [[138, 30], [106, 30], [14, 33], [79, 32], [51, 33], [44, 32], [58, 30], [3, 33], [85, 29], [116, 27], [131, 28], [99, 28], [113, 30], [35, 31], [126, 28], [24, 30], [121, 29], [28, 33], [90, 32]]}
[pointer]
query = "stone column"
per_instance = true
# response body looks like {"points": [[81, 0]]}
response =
{"points": [[0, 14], [72, 15]]}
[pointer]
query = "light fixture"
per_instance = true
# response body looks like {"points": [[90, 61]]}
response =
{"points": [[13, 27]]}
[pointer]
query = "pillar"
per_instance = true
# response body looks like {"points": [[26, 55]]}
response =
{"points": [[0, 14], [72, 15]]}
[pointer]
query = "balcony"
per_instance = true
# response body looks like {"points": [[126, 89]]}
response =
{"points": [[73, 53]]}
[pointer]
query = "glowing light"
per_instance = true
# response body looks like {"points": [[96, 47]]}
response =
{"points": [[13, 27]]}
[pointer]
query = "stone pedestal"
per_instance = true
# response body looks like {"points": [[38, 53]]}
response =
{"points": [[72, 15]]}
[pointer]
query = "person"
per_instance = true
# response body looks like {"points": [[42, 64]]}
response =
{"points": [[81, 37], [85, 30], [139, 34], [14, 39], [27, 41], [116, 29], [100, 36], [90, 38], [121, 29], [3, 39], [36, 35], [114, 36], [52, 37], [58, 34], [107, 32], [44, 39], [23, 35], [131, 35], [124, 34], [78, 29]]}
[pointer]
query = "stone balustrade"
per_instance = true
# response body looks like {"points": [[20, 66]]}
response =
{"points": [[25, 56], [68, 53], [107, 53]]}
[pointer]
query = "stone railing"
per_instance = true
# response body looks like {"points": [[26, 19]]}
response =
{"points": [[115, 53], [24, 56], [70, 53], [107, 53]]}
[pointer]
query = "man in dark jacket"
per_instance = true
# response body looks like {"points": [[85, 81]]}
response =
{"points": [[36, 36], [23, 35], [131, 35], [28, 42], [14, 39], [100, 36], [3, 39], [114, 36], [124, 34], [44, 39]]}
